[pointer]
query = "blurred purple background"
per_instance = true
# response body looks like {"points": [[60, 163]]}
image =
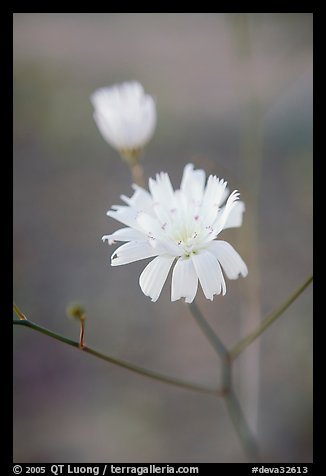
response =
{"points": [[234, 96]]}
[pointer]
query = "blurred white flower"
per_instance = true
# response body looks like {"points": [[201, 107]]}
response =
{"points": [[180, 225], [125, 116]]}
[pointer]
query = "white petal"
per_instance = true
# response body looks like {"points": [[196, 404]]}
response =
{"points": [[125, 215], [224, 214], [214, 192], [225, 194], [141, 200], [137, 123], [230, 260], [184, 280], [124, 234], [150, 226], [148, 119], [162, 190], [193, 182], [133, 251], [235, 217], [104, 129], [154, 276], [167, 247], [124, 114], [209, 273]]}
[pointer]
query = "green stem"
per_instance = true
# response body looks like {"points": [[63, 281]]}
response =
{"points": [[132, 157], [20, 315], [239, 422], [208, 331], [241, 426], [121, 363], [244, 343], [137, 174]]}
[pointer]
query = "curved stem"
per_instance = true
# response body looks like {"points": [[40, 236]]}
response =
{"points": [[121, 363], [20, 315], [237, 417], [244, 343]]}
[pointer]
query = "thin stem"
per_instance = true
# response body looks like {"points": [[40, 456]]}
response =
{"points": [[132, 157], [121, 363], [240, 424], [137, 174], [208, 331], [48, 332], [244, 343], [82, 332], [20, 315]]}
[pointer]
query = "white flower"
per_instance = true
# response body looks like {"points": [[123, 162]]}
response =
{"points": [[125, 115], [180, 225]]}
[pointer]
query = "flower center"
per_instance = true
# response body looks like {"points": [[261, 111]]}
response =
{"points": [[186, 235], [186, 224]]}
